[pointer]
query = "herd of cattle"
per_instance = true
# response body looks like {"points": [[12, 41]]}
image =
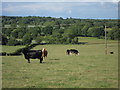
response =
{"points": [[41, 54]]}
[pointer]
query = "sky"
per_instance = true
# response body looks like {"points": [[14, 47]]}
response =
{"points": [[60, 0], [82, 10]]}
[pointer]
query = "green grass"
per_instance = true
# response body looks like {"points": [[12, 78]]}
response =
{"points": [[10, 49], [93, 40], [91, 69]]}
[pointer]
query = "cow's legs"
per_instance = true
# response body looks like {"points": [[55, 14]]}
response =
{"points": [[28, 60], [41, 59]]}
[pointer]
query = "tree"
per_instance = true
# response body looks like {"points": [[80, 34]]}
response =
{"points": [[7, 31], [20, 35], [85, 28], [27, 39], [57, 38], [110, 35], [69, 33], [114, 33], [3, 39], [14, 33], [47, 30], [22, 31], [38, 39], [96, 31], [75, 40], [12, 41]]}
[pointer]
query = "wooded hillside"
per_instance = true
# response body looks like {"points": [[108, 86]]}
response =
{"points": [[33, 29]]}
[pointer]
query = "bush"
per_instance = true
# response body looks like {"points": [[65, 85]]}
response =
{"points": [[27, 39], [38, 39], [3, 54], [3, 39], [75, 40], [13, 42]]}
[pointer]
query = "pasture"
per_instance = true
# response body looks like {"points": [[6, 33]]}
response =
{"points": [[91, 69]]}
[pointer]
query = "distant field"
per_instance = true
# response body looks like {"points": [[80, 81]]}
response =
{"points": [[93, 40], [91, 69], [10, 49]]}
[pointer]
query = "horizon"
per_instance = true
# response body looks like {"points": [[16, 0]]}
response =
{"points": [[65, 18]]}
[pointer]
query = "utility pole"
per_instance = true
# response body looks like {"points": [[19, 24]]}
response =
{"points": [[105, 41]]}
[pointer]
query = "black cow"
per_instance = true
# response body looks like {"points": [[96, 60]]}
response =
{"points": [[72, 51], [33, 54]]}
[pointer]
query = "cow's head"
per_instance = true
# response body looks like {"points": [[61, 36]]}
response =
{"points": [[44, 52]]}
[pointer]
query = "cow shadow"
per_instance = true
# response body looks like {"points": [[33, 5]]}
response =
{"points": [[82, 43], [54, 59]]}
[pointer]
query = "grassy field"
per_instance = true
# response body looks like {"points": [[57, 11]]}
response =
{"points": [[91, 69], [10, 49]]}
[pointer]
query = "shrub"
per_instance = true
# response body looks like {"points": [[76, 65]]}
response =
{"points": [[12, 42], [3, 54]]}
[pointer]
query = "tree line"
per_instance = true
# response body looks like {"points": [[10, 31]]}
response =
{"points": [[30, 29]]}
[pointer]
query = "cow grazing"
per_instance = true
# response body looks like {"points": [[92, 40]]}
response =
{"points": [[34, 54], [72, 51]]}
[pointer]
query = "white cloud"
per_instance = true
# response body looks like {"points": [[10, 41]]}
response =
{"points": [[69, 12], [35, 7]]}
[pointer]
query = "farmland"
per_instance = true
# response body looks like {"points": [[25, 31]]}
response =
{"points": [[91, 69]]}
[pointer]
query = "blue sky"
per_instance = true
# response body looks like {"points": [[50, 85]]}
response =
{"points": [[91, 10]]}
